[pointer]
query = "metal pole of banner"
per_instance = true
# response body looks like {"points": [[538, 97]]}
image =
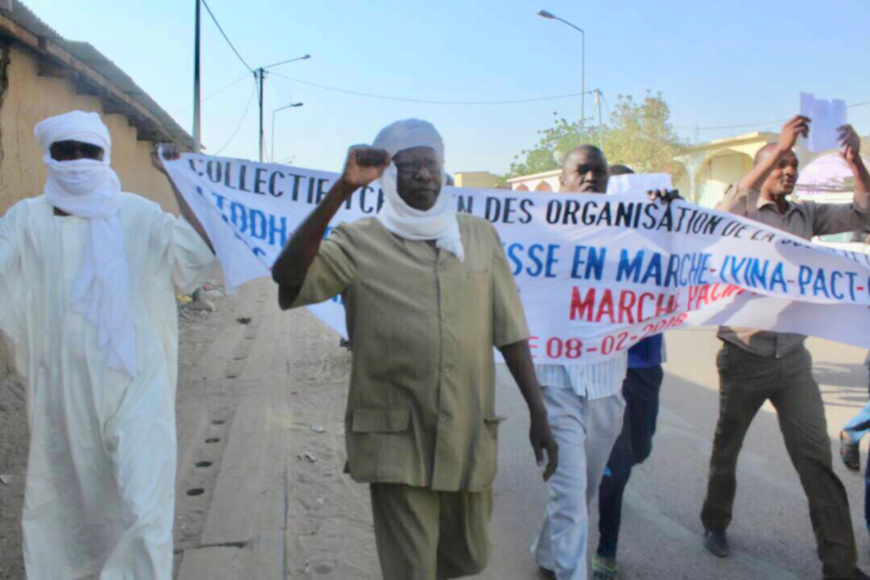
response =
{"points": [[550, 16], [197, 120]]}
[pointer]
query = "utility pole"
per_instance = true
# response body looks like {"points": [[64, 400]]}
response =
{"points": [[600, 132], [197, 126], [261, 76], [582, 81]]}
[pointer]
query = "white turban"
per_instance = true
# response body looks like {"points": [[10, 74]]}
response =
{"points": [[74, 126], [438, 223], [90, 189]]}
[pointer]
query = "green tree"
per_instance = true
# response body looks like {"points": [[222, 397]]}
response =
{"points": [[637, 134]]}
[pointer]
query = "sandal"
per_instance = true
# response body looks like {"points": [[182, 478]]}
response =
{"points": [[849, 452], [604, 568]]}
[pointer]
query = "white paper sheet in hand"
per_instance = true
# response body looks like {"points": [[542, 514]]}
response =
{"points": [[632, 182], [826, 117]]}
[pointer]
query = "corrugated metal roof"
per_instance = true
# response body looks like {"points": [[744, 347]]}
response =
{"points": [[24, 17], [94, 59]]}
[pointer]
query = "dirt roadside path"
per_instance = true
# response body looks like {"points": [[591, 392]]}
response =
{"points": [[261, 491]]}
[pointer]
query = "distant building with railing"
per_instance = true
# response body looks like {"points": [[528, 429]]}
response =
{"points": [[709, 167]]}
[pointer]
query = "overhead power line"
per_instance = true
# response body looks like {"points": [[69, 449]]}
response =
{"points": [[514, 102], [761, 123], [424, 101], [224, 34], [241, 121], [216, 93]]}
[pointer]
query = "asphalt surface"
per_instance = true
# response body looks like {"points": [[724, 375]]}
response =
{"points": [[771, 536]]}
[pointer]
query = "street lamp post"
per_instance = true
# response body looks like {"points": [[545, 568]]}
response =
{"points": [[545, 14], [291, 105], [260, 75]]}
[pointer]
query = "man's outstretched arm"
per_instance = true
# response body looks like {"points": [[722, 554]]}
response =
{"points": [[851, 153], [170, 152], [796, 127]]}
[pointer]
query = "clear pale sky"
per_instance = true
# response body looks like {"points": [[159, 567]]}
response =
{"points": [[717, 63]]}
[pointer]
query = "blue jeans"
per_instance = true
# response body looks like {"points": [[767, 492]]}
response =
{"points": [[634, 444]]}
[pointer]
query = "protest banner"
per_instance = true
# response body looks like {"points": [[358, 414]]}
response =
{"points": [[596, 273]]}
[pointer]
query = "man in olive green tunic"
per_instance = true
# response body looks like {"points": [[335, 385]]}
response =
{"points": [[428, 294]]}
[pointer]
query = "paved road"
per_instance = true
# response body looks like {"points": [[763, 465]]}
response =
{"points": [[771, 535], [276, 504]]}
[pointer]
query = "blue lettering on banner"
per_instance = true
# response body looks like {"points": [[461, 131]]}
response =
{"points": [[752, 272], [593, 259], [829, 284], [535, 261], [253, 222]]}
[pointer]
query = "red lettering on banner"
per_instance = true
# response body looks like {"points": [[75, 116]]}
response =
{"points": [[627, 300], [606, 307], [641, 308], [706, 294], [662, 308], [582, 307], [714, 293]]}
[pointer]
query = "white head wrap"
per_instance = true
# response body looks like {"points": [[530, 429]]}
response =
{"points": [[438, 223], [89, 188]]}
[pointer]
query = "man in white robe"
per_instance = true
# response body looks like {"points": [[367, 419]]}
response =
{"points": [[87, 296]]}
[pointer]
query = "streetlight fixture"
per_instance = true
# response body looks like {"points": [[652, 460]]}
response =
{"points": [[550, 16], [290, 106], [260, 75]]}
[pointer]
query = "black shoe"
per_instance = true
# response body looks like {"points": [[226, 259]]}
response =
{"points": [[547, 573], [717, 543]]}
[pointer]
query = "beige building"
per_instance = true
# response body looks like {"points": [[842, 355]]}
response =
{"points": [[709, 167], [712, 166], [42, 74], [480, 179], [546, 181]]}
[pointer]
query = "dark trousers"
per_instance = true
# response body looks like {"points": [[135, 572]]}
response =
{"points": [[867, 467], [746, 382], [634, 444]]}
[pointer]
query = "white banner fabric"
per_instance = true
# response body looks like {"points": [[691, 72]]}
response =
{"points": [[596, 273]]}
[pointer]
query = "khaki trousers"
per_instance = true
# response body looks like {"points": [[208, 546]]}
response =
{"points": [[423, 534], [746, 382]]}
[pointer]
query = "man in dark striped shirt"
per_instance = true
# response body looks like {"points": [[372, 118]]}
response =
{"points": [[640, 389]]}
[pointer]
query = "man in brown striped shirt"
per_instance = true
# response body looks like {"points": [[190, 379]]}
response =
{"points": [[756, 366]]}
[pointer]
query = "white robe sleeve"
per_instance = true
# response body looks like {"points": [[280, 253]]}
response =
{"points": [[12, 283], [191, 262]]}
